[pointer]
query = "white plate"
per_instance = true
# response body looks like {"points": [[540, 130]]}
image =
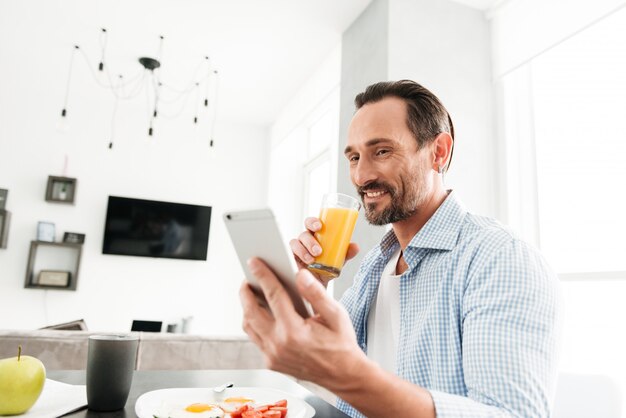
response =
{"points": [[151, 403]]}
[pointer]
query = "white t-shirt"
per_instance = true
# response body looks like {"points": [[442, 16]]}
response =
{"points": [[384, 318]]}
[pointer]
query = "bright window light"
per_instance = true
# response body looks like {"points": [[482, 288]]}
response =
{"points": [[579, 109]]}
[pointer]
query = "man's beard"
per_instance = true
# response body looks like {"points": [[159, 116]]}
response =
{"points": [[405, 201]]}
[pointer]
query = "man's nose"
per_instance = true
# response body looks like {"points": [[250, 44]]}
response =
{"points": [[363, 173]]}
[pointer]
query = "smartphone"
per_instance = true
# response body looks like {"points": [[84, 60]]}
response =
{"points": [[254, 233]]}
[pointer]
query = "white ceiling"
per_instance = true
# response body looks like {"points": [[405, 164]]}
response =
{"points": [[483, 5], [263, 49]]}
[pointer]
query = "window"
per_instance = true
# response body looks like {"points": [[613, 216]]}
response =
{"points": [[317, 183], [303, 167], [323, 132], [318, 170], [566, 149]]}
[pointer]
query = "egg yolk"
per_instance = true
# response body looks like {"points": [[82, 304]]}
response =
{"points": [[198, 407], [238, 400]]}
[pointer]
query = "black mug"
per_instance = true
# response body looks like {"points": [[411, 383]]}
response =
{"points": [[110, 367]]}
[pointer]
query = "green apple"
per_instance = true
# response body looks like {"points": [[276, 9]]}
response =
{"points": [[21, 382]]}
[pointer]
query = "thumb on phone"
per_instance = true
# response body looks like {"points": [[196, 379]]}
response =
{"points": [[315, 293]]}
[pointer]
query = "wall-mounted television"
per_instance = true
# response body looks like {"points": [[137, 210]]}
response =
{"points": [[149, 228]]}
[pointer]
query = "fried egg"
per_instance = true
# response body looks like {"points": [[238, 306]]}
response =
{"points": [[196, 410], [232, 404]]}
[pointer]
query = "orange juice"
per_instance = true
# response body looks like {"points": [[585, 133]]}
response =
{"points": [[334, 238]]}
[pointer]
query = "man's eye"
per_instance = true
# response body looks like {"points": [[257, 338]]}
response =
{"points": [[353, 158], [382, 152]]}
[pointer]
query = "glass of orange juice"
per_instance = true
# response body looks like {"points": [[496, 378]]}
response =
{"points": [[338, 216]]}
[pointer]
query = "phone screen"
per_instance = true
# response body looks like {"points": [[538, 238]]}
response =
{"points": [[254, 233]]}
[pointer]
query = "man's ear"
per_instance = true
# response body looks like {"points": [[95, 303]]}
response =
{"points": [[442, 151]]}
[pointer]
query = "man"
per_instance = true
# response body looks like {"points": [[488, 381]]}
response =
{"points": [[449, 316]]}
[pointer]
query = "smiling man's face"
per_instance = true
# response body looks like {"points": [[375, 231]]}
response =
{"points": [[390, 173]]}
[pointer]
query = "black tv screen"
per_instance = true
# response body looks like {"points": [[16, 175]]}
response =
{"points": [[149, 228]]}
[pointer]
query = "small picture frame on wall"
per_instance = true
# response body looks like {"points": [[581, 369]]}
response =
{"points": [[73, 238], [3, 198], [45, 231], [56, 278], [61, 189]]}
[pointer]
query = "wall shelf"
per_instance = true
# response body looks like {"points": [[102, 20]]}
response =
{"points": [[5, 219], [61, 189], [58, 261]]}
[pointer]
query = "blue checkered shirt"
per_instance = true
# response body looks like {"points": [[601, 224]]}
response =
{"points": [[478, 316]]}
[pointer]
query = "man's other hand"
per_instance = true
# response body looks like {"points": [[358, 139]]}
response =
{"points": [[305, 248]]}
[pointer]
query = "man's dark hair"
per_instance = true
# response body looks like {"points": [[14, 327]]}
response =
{"points": [[426, 115]]}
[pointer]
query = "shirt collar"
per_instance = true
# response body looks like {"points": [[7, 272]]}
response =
{"points": [[440, 232], [389, 243]]}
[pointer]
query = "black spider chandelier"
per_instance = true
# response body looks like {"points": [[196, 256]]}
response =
{"points": [[158, 93]]}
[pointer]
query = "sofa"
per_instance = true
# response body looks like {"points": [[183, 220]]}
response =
{"points": [[67, 350]]}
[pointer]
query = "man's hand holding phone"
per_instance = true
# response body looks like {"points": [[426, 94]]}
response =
{"points": [[306, 348]]}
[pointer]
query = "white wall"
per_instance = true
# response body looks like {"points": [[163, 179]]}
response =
{"points": [[112, 290], [175, 165], [446, 47]]}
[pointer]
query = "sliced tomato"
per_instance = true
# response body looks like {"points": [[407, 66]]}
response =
{"points": [[262, 408], [237, 413], [281, 409], [252, 414], [272, 413], [282, 403]]}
